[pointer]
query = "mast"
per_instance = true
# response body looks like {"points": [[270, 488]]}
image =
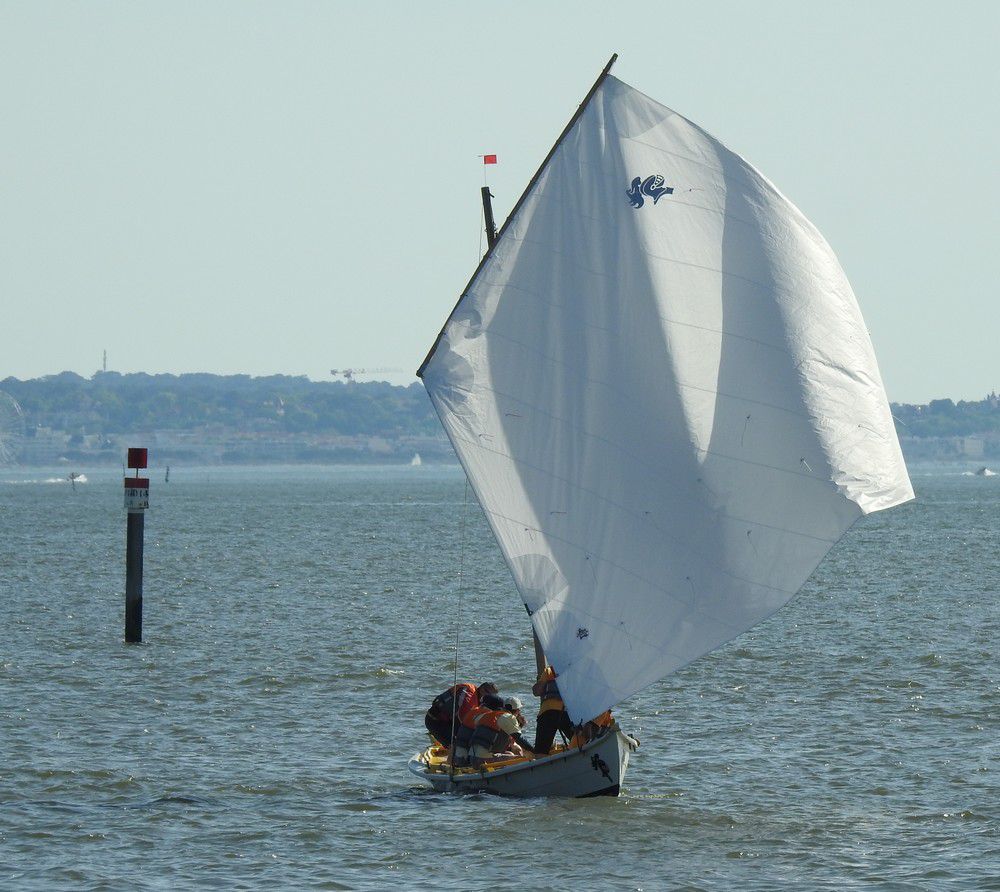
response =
{"points": [[540, 662], [491, 227]]}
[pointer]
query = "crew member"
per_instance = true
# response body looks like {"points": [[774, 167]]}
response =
{"points": [[498, 733], [463, 735], [450, 707], [552, 715], [594, 728]]}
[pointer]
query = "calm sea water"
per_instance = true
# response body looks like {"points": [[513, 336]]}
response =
{"points": [[298, 621]]}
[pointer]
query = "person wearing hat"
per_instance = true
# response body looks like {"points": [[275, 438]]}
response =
{"points": [[451, 707]]}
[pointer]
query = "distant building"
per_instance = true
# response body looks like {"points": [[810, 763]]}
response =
{"points": [[44, 447], [972, 447]]}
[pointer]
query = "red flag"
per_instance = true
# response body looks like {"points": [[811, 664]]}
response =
{"points": [[489, 159]]}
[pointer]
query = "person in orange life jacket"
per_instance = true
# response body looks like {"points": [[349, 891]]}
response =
{"points": [[458, 699], [462, 741], [552, 715], [498, 733], [463, 735]]}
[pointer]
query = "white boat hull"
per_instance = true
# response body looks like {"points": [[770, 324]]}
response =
{"points": [[595, 769]]}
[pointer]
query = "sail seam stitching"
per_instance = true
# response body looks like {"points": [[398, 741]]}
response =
{"points": [[578, 322], [626, 452], [774, 288], [603, 498], [683, 600], [597, 381]]}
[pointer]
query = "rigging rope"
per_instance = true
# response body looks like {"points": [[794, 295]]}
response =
{"points": [[461, 560], [458, 621]]}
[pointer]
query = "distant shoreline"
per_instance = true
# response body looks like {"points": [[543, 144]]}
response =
{"points": [[224, 420]]}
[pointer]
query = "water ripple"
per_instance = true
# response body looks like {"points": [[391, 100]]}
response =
{"points": [[259, 737]]}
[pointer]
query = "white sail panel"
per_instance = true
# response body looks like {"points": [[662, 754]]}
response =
{"points": [[666, 401]]}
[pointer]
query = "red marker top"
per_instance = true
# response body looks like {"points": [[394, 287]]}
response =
{"points": [[137, 458]]}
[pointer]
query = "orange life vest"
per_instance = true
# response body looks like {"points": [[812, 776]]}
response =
{"points": [[551, 698], [444, 703], [488, 733], [467, 727], [487, 718], [473, 714]]}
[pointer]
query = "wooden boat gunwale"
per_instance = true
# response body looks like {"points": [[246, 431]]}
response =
{"points": [[472, 779]]}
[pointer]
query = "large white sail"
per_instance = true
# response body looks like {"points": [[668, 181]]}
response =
{"points": [[665, 398]]}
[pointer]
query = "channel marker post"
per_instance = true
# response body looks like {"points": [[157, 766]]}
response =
{"points": [[136, 503]]}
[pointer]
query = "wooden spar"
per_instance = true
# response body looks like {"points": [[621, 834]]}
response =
{"points": [[539, 654], [531, 185], [491, 227]]}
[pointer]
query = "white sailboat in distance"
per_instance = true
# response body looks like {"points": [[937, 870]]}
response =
{"points": [[663, 393]]}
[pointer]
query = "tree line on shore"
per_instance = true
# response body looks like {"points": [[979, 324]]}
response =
{"points": [[946, 418], [110, 402]]}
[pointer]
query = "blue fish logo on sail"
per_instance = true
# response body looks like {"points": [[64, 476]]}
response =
{"points": [[651, 186]]}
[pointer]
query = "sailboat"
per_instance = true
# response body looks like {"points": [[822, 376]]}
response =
{"points": [[664, 396]]}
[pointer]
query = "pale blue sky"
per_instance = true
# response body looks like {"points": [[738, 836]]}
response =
{"points": [[291, 187]]}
